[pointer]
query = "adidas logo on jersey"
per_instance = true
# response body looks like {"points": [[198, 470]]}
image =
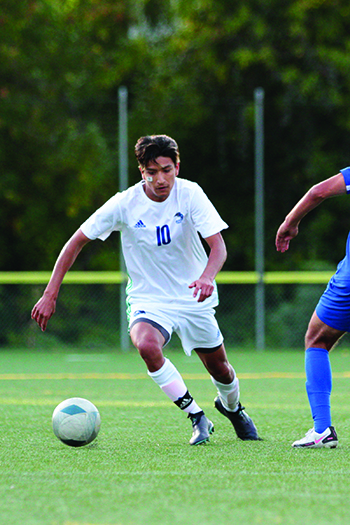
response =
{"points": [[139, 224]]}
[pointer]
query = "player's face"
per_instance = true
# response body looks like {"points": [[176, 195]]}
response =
{"points": [[159, 177]]}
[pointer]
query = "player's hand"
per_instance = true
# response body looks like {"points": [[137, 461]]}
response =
{"points": [[284, 235], [44, 310], [204, 286]]}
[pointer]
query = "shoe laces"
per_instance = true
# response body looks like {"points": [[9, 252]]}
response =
{"points": [[309, 432]]}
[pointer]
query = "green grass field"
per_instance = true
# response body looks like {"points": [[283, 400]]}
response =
{"points": [[141, 470]]}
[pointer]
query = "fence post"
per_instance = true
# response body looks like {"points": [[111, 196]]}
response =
{"points": [[259, 219], [123, 184]]}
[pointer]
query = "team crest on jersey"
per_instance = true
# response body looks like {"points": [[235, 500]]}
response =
{"points": [[140, 224], [179, 216]]}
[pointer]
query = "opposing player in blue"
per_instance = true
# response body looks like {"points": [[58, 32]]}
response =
{"points": [[329, 322], [171, 279]]}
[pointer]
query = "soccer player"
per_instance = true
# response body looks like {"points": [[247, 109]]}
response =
{"points": [[171, 284], [330, 320]]}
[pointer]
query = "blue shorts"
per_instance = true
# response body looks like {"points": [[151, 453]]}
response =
{"points": [[334, 305]]}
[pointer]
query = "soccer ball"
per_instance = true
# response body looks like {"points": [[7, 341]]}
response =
{"points": [[76, 422]]}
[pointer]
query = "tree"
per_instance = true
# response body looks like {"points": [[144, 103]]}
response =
{"points": [[191, 69], [57, 59], [206, 68]]}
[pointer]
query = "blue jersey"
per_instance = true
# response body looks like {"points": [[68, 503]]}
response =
{"points": [[343, 270], [334, 305]]}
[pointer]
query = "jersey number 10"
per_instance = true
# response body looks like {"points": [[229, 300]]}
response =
{"points": [[163, 235]]}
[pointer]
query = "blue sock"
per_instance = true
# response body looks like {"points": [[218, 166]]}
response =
{"points": [[319, 386]]}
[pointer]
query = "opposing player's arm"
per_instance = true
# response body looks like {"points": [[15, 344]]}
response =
{"points": [[46, 306], [217, 257], [313, 197]]}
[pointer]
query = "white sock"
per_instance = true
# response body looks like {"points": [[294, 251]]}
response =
{"points": [[172, 384], [229, 394]]}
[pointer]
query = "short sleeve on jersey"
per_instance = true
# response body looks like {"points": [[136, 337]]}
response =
{"points": [[104, 221], [204, 215], [346, 175]]}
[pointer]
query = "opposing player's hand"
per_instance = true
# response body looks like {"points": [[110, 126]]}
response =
{"points": [[43, 311], [284, 235], [204, 286]]}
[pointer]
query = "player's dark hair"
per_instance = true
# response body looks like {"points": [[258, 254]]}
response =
{"points": [[150, 147]]}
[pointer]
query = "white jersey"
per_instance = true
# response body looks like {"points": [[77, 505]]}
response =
{"points": [[161, 246]]}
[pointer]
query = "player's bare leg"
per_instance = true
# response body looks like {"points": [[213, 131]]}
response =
{"points": [[149, 342], [227, 402], [320, 335]]}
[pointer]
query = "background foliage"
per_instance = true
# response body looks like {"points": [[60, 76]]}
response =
{"points": [[191, 69]]}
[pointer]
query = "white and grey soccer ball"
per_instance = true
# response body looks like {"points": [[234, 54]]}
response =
{"points": [[76, 422]]}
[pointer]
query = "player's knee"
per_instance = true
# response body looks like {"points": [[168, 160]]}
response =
{"points": [[313, 335], [308, 340], [151, 353], [145, 347], [222, 372], [312, 340], [318, 340]]}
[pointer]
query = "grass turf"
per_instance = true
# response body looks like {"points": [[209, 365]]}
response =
{"points": [[141, 470]]}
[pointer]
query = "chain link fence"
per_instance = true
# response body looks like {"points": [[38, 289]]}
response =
{"points": [[88, 316]]}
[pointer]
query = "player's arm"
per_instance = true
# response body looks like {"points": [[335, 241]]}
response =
{"points": [[216, 259], [313, 197], [46, 306]]}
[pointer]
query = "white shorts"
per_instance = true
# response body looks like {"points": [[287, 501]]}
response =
{"points": [[196, 328]]}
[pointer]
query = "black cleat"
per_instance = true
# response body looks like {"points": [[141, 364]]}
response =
{"points": [[242, 423], [202, 428]]}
